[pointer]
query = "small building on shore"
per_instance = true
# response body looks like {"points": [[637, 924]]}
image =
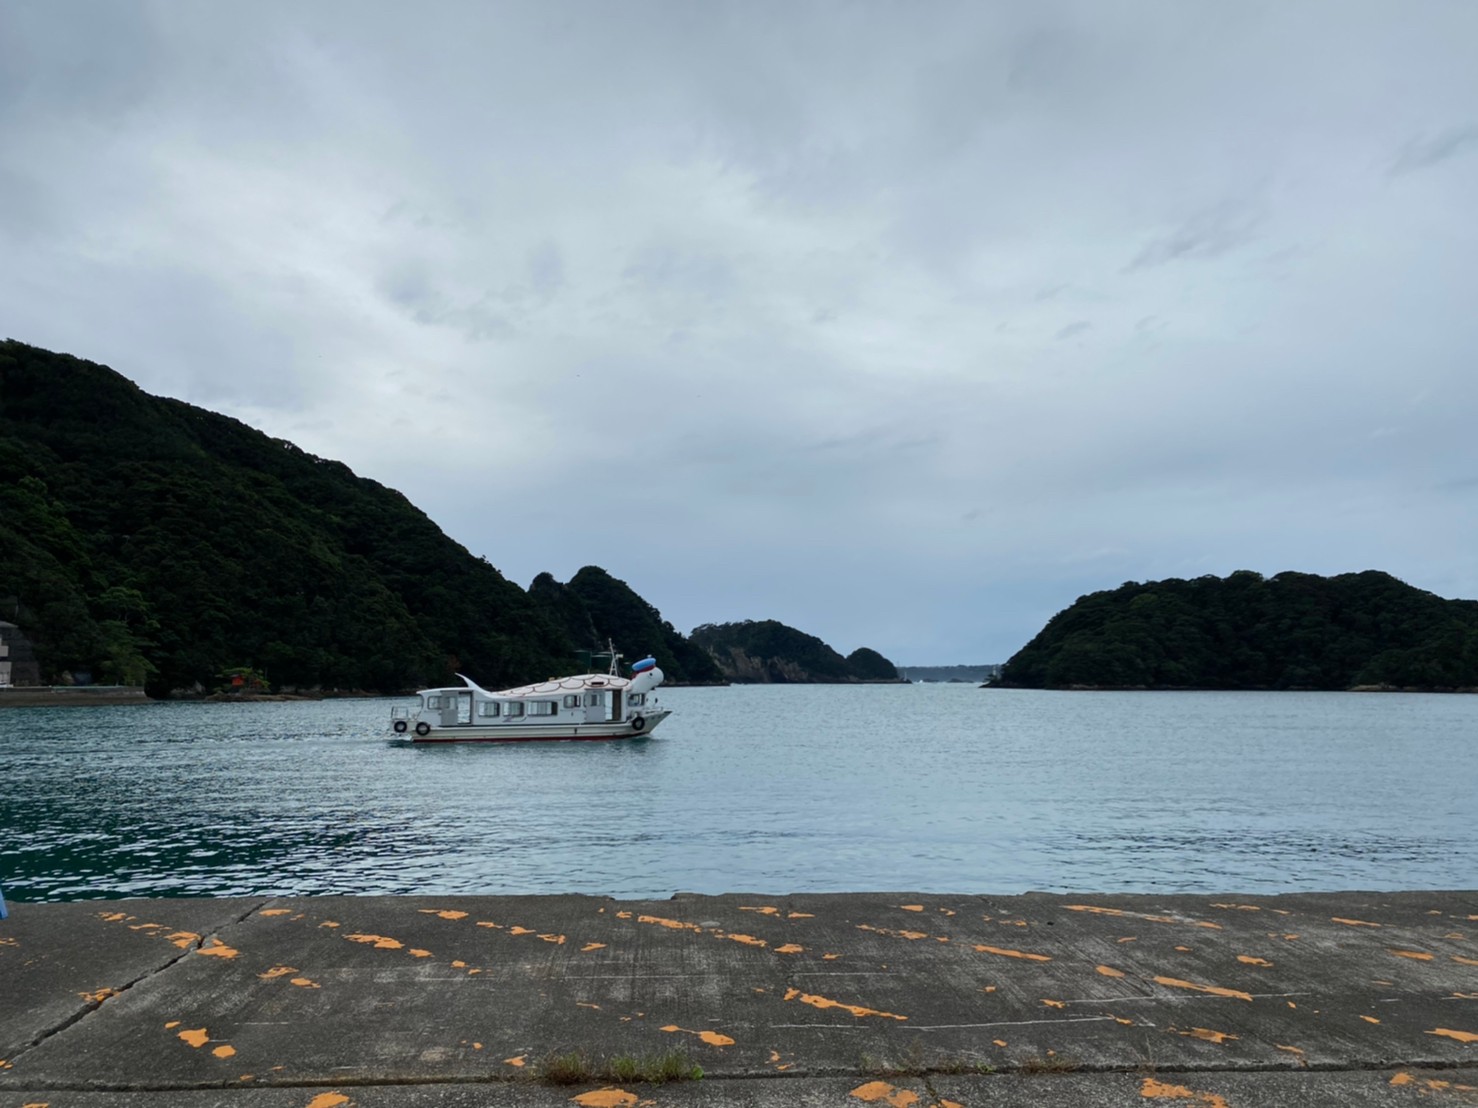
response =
{"points": [[18, 664]]}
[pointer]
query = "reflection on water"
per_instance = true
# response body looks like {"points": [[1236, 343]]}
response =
{"points": [[928, 788]]}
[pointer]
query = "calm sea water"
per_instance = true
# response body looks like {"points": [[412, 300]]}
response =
{"points": [[922, 787]]}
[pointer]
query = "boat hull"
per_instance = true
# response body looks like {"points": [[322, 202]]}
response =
{"points": [[528, 733]]}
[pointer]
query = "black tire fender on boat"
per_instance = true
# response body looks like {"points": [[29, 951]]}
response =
{"points": [[400, 726], [638, 723], [423, 728]]}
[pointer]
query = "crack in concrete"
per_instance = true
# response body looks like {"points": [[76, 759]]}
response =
{"points": [[96, 1006], [923, 1074]]}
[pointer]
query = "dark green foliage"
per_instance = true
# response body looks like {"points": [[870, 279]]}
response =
{"points": [[1292, 631], [149, 540], [767, 651], [596, 608], [867, 664]]}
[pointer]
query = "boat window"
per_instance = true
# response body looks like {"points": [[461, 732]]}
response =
{"points": [[541, 708], [572, 700], [433, 702], [514, 711], [637, 698], [594, 698], [486, 708]]}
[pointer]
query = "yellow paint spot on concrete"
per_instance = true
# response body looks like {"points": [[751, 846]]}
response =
{"points": [[1213, 990], [588, 947], [800, 915], [1353, 922], [416, 952], [476, 1046], [1004, 953], [1460, 960], [329, 923], [305, 983], [224, 1051], [1370, 1019], [875, 1091], [171, 1025], [379, 942], [1251, 961], [1127, 939], [196, 1038], [586, 1004], [605, 1098], [328, 1100], [489, 923], [557, 940], [747, 940], [1402, 1079], [1289, 1049], [1460, 1036], [111, 917], [1054, 1003], [621, 915], [1155, 1090], [99, 996], [1183, 949], [458, 964], [830, 957], [274, 911], [218, 949], [1109, 971], [764, 910], [518, 1061], [999, 1042], [1121, 1019], [789, 948], [912, 907], [443, 913], [1456, 936], [823, 1002], [1416, 955], [1239, 907], [712, 1038], [37, 1104], [988, 989], [1208, 1035], [4, 1065], [520, 931], [183, 939], [276, 972]]}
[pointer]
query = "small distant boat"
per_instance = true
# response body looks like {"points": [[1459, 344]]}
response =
{"points": [[585, 707]]}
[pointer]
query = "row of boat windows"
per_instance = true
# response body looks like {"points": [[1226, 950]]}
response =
{"points": [[490, 709]]}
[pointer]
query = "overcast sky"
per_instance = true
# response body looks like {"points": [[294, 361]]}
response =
{"points": [[903, 323]]}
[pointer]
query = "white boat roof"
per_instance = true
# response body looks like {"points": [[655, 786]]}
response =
{"points": [[553, 687], [568, 684]]}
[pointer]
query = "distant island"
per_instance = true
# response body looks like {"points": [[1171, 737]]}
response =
{"points": [[768, 652], [1364, 631], [148, 542]]}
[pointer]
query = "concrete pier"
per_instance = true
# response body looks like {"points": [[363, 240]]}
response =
{"points": [[898, 1000]]}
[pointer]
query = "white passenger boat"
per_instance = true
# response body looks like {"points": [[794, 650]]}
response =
{"points": [[589, 706]]}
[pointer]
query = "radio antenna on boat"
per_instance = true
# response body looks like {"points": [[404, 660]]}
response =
{"points": [[608, 652]]}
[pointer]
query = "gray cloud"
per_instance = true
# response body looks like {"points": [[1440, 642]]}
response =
{"points": [[1426, 151], [763, 309]]}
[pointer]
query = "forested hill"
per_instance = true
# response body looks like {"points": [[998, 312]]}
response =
{"points": [[1292, 631], [766, 651], [151, 542], [595, 608]]}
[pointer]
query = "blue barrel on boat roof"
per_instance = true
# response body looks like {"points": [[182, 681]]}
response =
{"points": [[644, 665]]}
